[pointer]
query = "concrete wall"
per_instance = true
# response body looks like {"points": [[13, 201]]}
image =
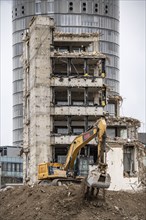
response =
{"points": [[37, 95], [115, 161]]}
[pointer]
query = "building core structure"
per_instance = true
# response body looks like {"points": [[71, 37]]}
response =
{"points": [[74, 16], [64, 91]]}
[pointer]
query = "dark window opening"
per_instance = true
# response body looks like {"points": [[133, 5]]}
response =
{"points": [[60, 153], [106, 7], [15, 14], [96, 8], [111, 132], [77, 130], [60, 97], [15, 9], [106, 11], [22, 12], [61, 130], [89, 152], [129, 161], [4, 152], [84, 6], [70, 8], [22, 7]]}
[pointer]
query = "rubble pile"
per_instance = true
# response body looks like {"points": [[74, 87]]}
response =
{"points": [[68, 203]]}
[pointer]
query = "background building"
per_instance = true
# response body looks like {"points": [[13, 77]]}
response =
{"points": [[70, 16], [11, 164]]}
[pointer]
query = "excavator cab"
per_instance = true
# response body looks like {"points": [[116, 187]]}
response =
{"points": [[50, 171]]}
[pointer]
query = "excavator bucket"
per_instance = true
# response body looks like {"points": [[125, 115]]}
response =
{"points": [[98, 179]]}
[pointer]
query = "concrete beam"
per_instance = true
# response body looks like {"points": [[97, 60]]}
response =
{"points": [[76, 110], [76, 82]]}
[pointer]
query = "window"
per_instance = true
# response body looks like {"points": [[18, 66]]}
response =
{"points": [[111, 132], [17, 37], [110, 108], [38, 7], [18, 98], [60, 97], [50, 6], [62, 103], [19, 24], [17, 49], [17, 167], [79, 103], [78, 130], [4, 151], [18, 86], [123, 133], [13, 167], [17, 123], [16, 62], [9, 167], [62, 130], [17, 74], [21, 167], [61, 159], [129, 161], [17, 134], [4, 166]]}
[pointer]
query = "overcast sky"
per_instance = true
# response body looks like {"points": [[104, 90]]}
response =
{"points": [[132, 64]]}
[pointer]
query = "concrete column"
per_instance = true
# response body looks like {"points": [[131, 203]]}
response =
{"points": [[68, 66], [85, 66], [69, 124], [69, 95], [86, 96], [37, 133], [86, 122]]}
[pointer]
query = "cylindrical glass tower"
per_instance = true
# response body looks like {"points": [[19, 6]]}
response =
{"points": [[75, 16]]}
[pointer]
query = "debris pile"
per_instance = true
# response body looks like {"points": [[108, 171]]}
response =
{"points": [[68, 203]]}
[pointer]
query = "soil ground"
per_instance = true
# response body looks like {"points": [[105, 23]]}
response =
{"points": [[68, 203]]}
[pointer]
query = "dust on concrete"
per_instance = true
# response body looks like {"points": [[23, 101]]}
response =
{"points": [[68, 203]]}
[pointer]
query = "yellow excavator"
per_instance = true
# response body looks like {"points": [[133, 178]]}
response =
{"points": [[57, 174]]}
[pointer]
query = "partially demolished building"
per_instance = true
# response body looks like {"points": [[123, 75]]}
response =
{"points": [[64, 93]]}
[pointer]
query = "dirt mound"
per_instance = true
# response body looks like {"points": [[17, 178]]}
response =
{"points": [[68, 203]]}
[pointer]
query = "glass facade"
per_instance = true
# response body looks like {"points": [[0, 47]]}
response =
{"points": [[70, 16], [12, 166]]}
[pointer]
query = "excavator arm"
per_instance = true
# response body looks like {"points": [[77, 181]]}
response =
{"points": [[98, 130]]}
